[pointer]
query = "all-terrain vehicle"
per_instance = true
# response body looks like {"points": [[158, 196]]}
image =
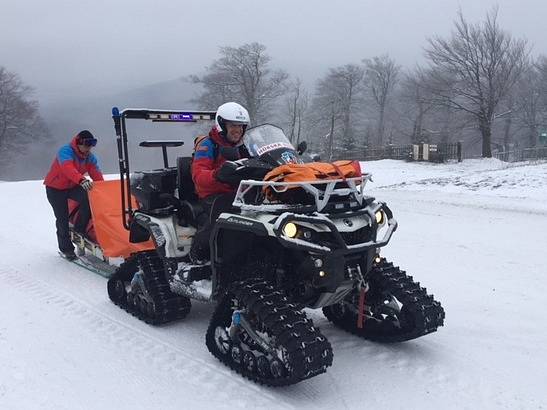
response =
{"points": [[288, 246]]}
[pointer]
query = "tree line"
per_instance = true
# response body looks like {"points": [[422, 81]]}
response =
{"points": [[480, 84], [20, 120]]}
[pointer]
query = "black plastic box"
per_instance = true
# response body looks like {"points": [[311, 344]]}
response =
{"points": [[154, 189]]}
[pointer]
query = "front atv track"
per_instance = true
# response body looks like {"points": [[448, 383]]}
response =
{"points": [[301, 350], [419, 314], [152, 301]]}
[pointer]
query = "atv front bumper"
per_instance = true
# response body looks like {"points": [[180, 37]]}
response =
{"points": [[336, 242]]}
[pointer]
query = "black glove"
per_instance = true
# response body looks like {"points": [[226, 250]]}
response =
{"points": [[228, 173], [86, 184]]}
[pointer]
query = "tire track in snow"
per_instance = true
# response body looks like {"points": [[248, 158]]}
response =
{"points": [[165, 358]]}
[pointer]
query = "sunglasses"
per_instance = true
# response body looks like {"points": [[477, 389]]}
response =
{"points": [[88, 142]]}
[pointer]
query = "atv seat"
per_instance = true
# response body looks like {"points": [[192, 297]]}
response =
{"points": [[190, 208]]}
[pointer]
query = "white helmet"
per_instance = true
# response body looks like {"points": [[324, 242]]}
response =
{"points": [[232, 112]]}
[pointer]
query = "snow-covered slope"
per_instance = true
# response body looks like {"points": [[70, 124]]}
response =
{"points": [[473, 233]]}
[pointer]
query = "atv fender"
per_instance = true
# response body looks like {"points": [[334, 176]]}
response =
{"points": [[161, 230]]}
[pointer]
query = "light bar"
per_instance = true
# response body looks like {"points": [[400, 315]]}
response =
{"points": [[182, 117], [179, 117]]}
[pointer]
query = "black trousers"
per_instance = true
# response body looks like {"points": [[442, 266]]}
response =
{"points": [[213, 206], [58, 198]]}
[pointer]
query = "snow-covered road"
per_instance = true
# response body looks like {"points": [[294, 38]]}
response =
{"points": [[64, 345]]}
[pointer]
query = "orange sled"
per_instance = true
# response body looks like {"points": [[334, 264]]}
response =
{"points": [[105, 229]]}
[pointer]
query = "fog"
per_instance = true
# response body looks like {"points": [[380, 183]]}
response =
{"points": [[77, 55], [66, 48]]}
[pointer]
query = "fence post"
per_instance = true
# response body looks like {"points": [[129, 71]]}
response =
{"points": [[389, 151], [459, 151]]}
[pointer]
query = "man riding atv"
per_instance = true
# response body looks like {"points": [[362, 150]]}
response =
{"points": [[296, 235], [213, 174]]}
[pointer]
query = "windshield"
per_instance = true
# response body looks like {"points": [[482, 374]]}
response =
{"points": [[266, 138]]}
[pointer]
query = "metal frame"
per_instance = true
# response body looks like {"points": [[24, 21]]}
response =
{"points": [[154, 115], [322, 197]]}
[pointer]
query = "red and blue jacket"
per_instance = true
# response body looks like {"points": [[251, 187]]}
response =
{"points": [[207, 161], [70, 165]]}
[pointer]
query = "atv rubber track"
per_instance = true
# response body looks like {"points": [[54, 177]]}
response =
{"points": [[423, 314], [308, 352], [167, 306]]}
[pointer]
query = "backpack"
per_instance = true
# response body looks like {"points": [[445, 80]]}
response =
{"points": [[198, 140]]}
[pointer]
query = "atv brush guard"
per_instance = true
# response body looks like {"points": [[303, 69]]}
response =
{"points": [[321, 190]]}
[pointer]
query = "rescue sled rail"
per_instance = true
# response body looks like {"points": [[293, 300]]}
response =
{"points": [[322, 191]]}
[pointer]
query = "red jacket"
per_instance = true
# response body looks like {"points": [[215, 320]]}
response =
{"points": [[207, 161], [70, 165]]}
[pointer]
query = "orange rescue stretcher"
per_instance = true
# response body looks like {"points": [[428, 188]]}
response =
{"points": [[105, 227]]}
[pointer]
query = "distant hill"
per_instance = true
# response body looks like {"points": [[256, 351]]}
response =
{"points": [[176, 94], [66, 117]]}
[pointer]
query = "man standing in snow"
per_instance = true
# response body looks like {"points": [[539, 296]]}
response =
{"points": [[214, 177], [65, 180]]}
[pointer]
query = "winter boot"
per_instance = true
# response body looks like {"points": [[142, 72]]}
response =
{"points": [[192, 270], [69, 255]]}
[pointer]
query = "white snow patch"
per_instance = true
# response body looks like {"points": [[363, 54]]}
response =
{"points": [[473, 233]]}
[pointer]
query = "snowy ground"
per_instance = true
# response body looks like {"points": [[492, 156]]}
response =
{"points": [[473, 233]]}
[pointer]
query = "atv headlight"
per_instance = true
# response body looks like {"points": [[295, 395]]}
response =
{"points": [[290, 230], [380, 217]]}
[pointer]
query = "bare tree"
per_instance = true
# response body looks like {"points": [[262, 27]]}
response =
{"points": [[474, 70], [326, 111], [349, 79], [242, 74], [508, 123], [336, 104], [541, 67], [381, 76], [20, 122], [296, 103], [415, 104], [529, 108]]}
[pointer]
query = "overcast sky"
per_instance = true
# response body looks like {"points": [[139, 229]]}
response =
{"points": [[72, 47]]}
